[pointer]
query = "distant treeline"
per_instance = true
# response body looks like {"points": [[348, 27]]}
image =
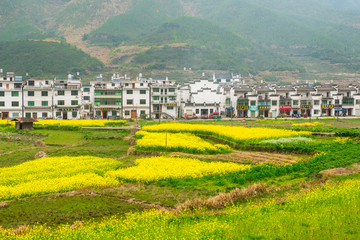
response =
{"points": [[39, 58]]}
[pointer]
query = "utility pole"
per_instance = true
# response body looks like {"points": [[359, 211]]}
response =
{"points": [[231, 111], [22, 102], [122, 102], [150, 101], [166, 141]]}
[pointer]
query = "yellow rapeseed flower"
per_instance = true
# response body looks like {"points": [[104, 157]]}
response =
{"points": [[230, 132], [57, 174], [159, 168], [177, 142]]}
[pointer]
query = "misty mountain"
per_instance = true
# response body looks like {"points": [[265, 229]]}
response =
{"points": [[196, 43], [327, 30]]}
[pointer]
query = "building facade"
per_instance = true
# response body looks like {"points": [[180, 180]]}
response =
{"points": [[126, 98]]}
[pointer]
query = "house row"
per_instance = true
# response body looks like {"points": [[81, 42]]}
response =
{"points": [[125, 98]]}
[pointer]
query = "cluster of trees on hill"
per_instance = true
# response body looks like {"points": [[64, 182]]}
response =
{"points": [[39, 58]]}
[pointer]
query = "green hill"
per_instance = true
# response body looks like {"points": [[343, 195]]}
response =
{"points": [[40, 58], [196, 43], [146, 16], [324, 32]]}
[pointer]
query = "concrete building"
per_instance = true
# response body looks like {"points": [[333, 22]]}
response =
{"points": [[125, 98], [107, 98]]}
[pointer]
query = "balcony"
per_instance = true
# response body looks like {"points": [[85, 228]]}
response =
{"points": [[163, 102], [108, 106], [164, 94]]}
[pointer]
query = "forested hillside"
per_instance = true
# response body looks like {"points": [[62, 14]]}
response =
{"points": [[40, 58], [321, 34], [196, 43]]}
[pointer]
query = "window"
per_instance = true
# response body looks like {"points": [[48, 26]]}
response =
{"points": [[337, 101], [142, 112], [316, 112], [2, 93], [61, 102], [15, 115], [2, 104], [171, 89], [156, 98], [357, 101], [58, 114], [86, 89], [61, 92], [14, 104], [227, 101], [142, 101], [129, 91], [141, 84], [44, 115], [74, 102], [253, 103], [156, 90], [273, 102], [129, 101], [126, 84], [14, 94], [211, 110], [86, 98], [113, 113], [74, 114], [324, 102], [44, 93], [31, 103], [28, 115], [46, 82], [44, 103], [142, 91], [127, 113], [74, 93], [316, 102], [296, 102], [31, 83], [31, 93], [170, 107], [87, 107], [197, 111], [348, 101], [303, 102]]}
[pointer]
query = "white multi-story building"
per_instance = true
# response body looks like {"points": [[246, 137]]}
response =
{"points": [[201, 98], [11, 95], [125, 98], [107, 97]]}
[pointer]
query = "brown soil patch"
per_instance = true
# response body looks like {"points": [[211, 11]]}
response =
{"points": [[341, 171], [223, 199], [246, 157]]}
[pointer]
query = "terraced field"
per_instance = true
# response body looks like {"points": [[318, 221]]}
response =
{"points": [[65, 182]]}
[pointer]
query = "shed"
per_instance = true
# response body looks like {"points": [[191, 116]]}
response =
{"points": [[24, 123]]}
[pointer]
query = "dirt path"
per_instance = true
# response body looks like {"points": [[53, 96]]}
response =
{"points": [[245, 157]]}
